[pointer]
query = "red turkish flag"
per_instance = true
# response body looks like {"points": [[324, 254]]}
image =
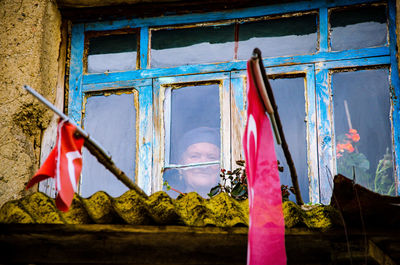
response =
{"points": [[64, 163], [266, 237]]}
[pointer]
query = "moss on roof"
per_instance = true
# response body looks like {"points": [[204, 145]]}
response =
{"points": [[157, 209]]}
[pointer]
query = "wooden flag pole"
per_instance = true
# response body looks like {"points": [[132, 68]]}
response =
{"points": [[92, 145], [270, 96]]}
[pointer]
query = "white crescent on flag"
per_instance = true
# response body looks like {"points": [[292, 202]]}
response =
{"points": [[252, 128], [71, 156]]}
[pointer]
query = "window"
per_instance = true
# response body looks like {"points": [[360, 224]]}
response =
{"points": [[362, 128], [157, 82], [196, 110], [111, 51], [111, 119]]}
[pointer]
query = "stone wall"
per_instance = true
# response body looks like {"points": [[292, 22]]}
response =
{"points": [[29, 49]]}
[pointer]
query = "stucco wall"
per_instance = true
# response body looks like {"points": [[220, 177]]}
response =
{"points": [[29, 48]]}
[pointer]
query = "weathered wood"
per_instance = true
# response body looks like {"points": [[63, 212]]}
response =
{"points": [[395, 80], [126, 244], [111, 244], [377, 253], [356, 202], [50, 134], [351, 58]]}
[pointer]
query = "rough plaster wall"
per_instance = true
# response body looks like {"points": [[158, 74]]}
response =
{"points": [[29, 47]]}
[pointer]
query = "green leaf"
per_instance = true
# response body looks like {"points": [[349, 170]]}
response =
{"points": [[237, 190], [167, 186], [236, 171], [240, 163], [214, 191], [364, 164]]}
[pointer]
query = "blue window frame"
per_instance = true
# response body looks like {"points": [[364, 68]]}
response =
{"points": [[315, 65]]}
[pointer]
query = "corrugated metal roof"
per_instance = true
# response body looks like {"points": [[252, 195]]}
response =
{"points": [[158, 209]]}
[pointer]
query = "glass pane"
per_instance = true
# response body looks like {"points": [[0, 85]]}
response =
{"points": [[199, 179], [289, 96], [112, 53], [194, 137], [279, 37], [358, 28], [362, 128], [175, 47], [111, 120]]}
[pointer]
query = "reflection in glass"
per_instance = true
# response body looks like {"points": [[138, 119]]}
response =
{"points": [[111, 120], [112, 53], [199, 179], [289, 96], [279, 37], [194, 137], [176, 47], [358, 28], [362, 128]]}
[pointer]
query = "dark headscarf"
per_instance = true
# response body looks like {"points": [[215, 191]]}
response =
{"points": [[198, 135]]}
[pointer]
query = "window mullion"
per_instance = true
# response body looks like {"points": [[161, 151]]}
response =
{"points": [[238, 114], [225, 103], [144, 176], [324, 127], [323, 29], [312, 143], [144, 47], [395, 85], [76, 73], [201, 164], [158, 135]]}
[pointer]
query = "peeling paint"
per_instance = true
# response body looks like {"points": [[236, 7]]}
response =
{"points": [[160, 88], [315, 67]]}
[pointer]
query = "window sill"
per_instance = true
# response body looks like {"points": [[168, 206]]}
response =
{"points": [[128, 244]]}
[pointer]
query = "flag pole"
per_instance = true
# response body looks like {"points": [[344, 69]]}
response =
{"points": [[268, 90], [92, 145]]}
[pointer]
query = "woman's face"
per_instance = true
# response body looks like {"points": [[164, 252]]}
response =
{"points": [[201, 177]]}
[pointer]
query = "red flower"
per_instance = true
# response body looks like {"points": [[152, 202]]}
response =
{"points": [[354, 136], [340, 148], [353, 131], [349, 147]]}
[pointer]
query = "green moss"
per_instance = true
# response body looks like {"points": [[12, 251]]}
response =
{"points": [[315, 217], [163, 209], [100, 209], [42, 209], [77, 214], [293, 214], [193, 210], [160, 209], [132, 209], [321, 217], [11, 212], [227, 212]]}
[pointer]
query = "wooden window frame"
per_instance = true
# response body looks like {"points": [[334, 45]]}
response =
{"points": [[317, 65]]}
